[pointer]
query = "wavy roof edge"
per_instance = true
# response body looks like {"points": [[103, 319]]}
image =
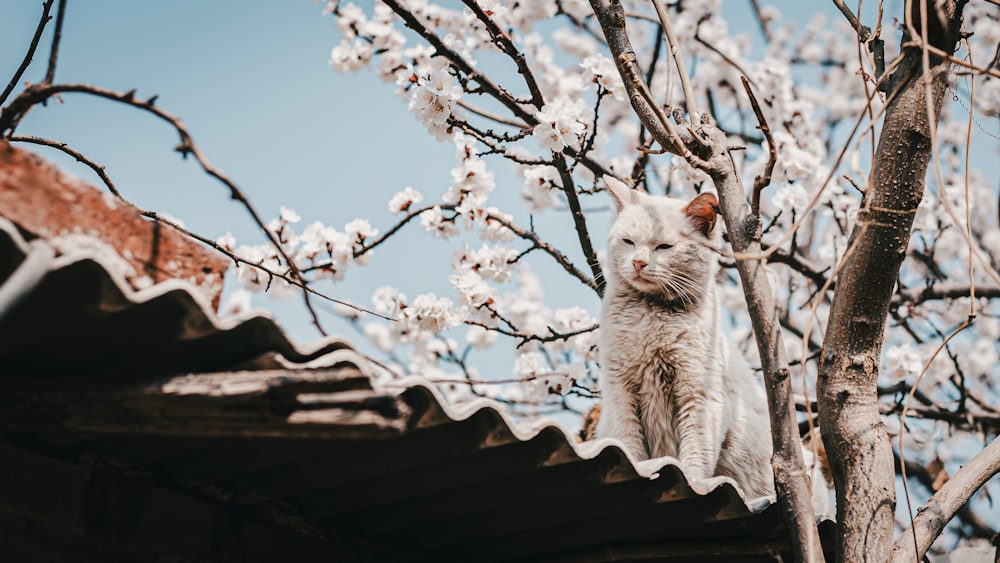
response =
{"points": [[38, 260], [650, 469]]}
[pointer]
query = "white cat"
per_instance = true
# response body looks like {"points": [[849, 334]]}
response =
{"points": [[673, 384]]}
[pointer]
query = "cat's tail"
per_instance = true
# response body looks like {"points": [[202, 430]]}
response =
{"points": [[813, 442], [589, 429]]}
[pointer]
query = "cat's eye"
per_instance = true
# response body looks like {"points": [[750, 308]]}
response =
{"points": [[628, 242], [664, 246]]}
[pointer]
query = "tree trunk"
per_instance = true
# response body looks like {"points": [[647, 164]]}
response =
{"points": [[855, 438]]}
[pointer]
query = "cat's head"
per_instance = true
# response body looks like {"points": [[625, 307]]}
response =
{"points": [[662, 246]]}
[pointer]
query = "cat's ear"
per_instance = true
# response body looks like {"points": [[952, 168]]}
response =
{"points": [[621, 192], [703, 211]]}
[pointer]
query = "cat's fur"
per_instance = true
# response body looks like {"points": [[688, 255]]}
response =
{"points": [[673, 384]]}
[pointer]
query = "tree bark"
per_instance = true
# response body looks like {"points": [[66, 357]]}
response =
{"points": [[855, 438]]}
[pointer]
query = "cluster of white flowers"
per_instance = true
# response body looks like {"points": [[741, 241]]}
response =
{"points": [[559, 124], [605, 74], [362, 37], [540, 188], [322, 251], [404, 199], [902, 362], [434, 97]]}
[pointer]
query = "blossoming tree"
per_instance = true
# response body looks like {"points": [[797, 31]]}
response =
{"points": [[867, 299]]}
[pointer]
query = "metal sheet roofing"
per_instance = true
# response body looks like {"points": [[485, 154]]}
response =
{"points": [[152, 385]]}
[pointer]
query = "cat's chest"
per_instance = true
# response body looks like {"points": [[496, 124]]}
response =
{"points": [[648, 350], [659, 334]]}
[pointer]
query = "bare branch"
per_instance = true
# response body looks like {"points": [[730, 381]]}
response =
{"points": [[763, 180], [674, 46], [941, 508], [50, 73], [31, 52], [946, 290], [611, 16], [579, 222], [933, 482], [503, 41], [80, 157], [864, 33]]}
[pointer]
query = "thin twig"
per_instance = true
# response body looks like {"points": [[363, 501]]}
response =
{"points": [[50, 73], [760, 20], [503, 41], [80, 157], [100, 171], [492, 116], [31, 52], [739, 68], [764, 179], [990, 71], [579, 221], [675, 52]]}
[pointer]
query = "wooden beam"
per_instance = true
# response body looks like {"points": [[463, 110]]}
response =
{"points": [[336, 404]]}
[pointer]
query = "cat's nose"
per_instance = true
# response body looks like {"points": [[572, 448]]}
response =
{"points": [[638, 265]]}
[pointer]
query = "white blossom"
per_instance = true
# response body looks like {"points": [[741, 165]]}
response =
{"points": [[902, 361], [473, 288], [434, 221], [494, 229], [227, 241], [480, 338], [288, 215], [540, 192], [351, 55], [404, 199], [605, 73], [559, 124], [432, 313], [388, 300], [790, 197]]}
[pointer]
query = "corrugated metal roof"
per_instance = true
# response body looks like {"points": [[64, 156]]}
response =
{"points": [[155, 385]]}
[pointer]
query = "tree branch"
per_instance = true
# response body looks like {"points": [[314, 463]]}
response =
{"points": [[50, 73], [941, 508], [764, 180], [31, 52], [579, 222], [503, 41], [80, 157]]}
